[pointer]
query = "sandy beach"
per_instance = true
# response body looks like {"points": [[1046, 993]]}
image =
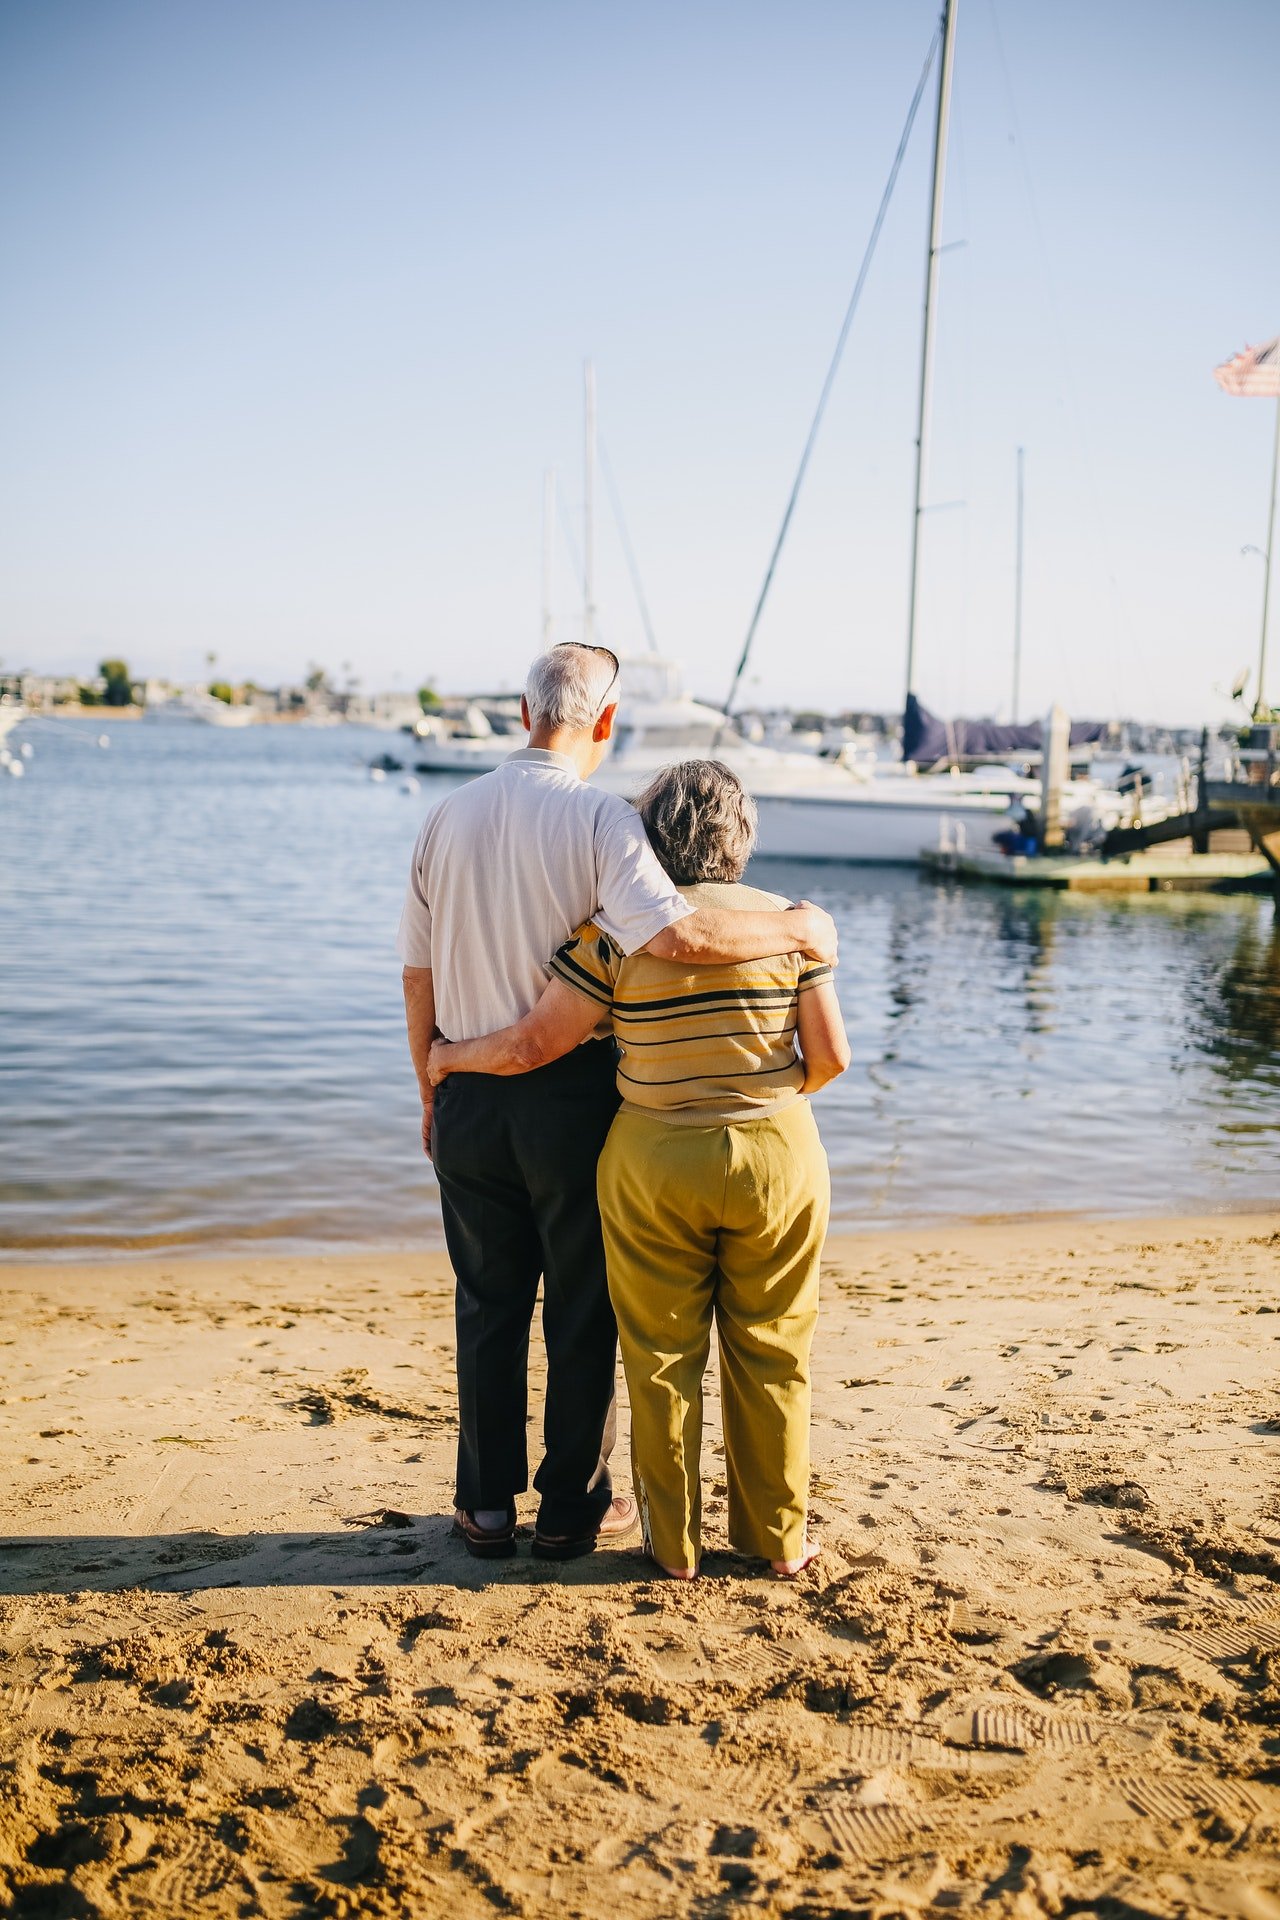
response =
{"points": [[1037, 1669]]}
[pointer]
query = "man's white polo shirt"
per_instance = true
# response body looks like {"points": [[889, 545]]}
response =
{"points": [[506, 868]]}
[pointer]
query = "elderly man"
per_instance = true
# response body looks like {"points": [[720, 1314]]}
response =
{"points": [[503, 871]]}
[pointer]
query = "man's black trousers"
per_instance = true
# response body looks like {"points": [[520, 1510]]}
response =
{"points": [[516, 1161]]}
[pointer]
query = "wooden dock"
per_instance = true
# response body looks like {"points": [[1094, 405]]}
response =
{"points": [[1134, 873]]}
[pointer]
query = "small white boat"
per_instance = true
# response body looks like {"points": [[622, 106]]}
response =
{"points": [[201, 708], [472, 744]]}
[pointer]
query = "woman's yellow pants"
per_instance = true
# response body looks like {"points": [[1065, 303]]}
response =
{"points": [[723, 1222]]}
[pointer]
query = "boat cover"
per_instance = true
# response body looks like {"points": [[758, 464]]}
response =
{"points": [[926, 739]]}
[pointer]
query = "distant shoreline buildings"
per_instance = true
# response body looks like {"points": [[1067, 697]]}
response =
{"points": [[318, 701], [314, 699]]}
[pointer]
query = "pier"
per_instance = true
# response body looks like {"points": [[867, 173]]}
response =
{"points": [[1130, 873], [1183, 853]]}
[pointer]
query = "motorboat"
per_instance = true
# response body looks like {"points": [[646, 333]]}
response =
{"points": [[467, 742]]}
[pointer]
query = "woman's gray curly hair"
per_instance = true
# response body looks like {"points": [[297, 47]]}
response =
{"points": [[701, 821]]}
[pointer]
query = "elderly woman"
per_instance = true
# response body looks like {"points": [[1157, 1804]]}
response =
{"points": [[714, 1190]]}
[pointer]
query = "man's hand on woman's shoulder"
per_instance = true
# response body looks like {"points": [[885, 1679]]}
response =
{"points": [[818, 938]]}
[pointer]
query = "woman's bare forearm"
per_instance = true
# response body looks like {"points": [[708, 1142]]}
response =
{"points": [[560, 1021], [819, 1074], [821, 1037], [510, 1050]]}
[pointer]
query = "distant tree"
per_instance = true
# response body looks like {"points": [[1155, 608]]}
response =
{"points": [[317, 681], [428, 698], [118, 691], [88, 695], [222, 690]]}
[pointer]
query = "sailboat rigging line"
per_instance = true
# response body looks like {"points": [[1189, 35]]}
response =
{"points": [[833, 369], [615, 501]]}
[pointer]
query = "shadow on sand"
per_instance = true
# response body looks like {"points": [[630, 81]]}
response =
{"points": [[385, 1550]]}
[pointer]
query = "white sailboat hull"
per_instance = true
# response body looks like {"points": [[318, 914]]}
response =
{"points": [[839, 818], [871, 828]]}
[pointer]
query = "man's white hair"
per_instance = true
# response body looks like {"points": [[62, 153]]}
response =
{"points": [[567, 685]]}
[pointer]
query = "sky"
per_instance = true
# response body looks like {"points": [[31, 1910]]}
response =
{"points": [[297, 295]]}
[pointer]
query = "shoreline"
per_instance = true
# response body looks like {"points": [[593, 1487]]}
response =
{"points": [[263, 1242], [1035, 1670]]}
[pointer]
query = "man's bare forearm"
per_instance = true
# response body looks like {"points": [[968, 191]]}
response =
{"points": [[715, 936], [420, 1019]]}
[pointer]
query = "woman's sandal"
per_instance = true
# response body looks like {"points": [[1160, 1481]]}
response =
{"points": [[485, 1543]]}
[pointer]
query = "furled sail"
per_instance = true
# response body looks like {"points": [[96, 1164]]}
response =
{"points": [[927, 740]]}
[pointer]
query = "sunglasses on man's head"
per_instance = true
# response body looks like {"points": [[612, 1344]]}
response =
{"points": [[588, 646]]}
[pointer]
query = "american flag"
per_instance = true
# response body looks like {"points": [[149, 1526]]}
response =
{"points": [[1256, 371]]}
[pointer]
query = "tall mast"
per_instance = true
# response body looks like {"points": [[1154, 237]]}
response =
{"points": [[930, 301], [548, 551], [1017, 603], [1261, 711], [589, 510]]}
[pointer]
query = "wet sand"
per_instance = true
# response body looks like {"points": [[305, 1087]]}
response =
{"points": [[244, 1670]]}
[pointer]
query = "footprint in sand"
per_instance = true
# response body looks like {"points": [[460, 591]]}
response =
{"points": [[1022, 1730], [1179, 1800], [866, 1835], [198, 1868], [757, 1786], [1227, 1639]]}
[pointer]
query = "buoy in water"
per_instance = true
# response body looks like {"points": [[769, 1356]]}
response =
{"points": [[411, 785], [27, 750], [376, 773], [16, 768], [104, 739]]}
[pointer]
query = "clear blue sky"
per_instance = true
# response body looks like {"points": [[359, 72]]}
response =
{"points": [[296, 296]]}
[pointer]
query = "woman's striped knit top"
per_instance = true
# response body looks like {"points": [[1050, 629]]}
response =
{"points": [[701, 1046]]}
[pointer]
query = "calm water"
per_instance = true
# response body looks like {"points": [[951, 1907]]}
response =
{"points": [[201, 1036]]}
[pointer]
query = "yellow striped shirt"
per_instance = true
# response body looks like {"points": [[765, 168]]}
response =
{"points": [[701, 1046]]}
